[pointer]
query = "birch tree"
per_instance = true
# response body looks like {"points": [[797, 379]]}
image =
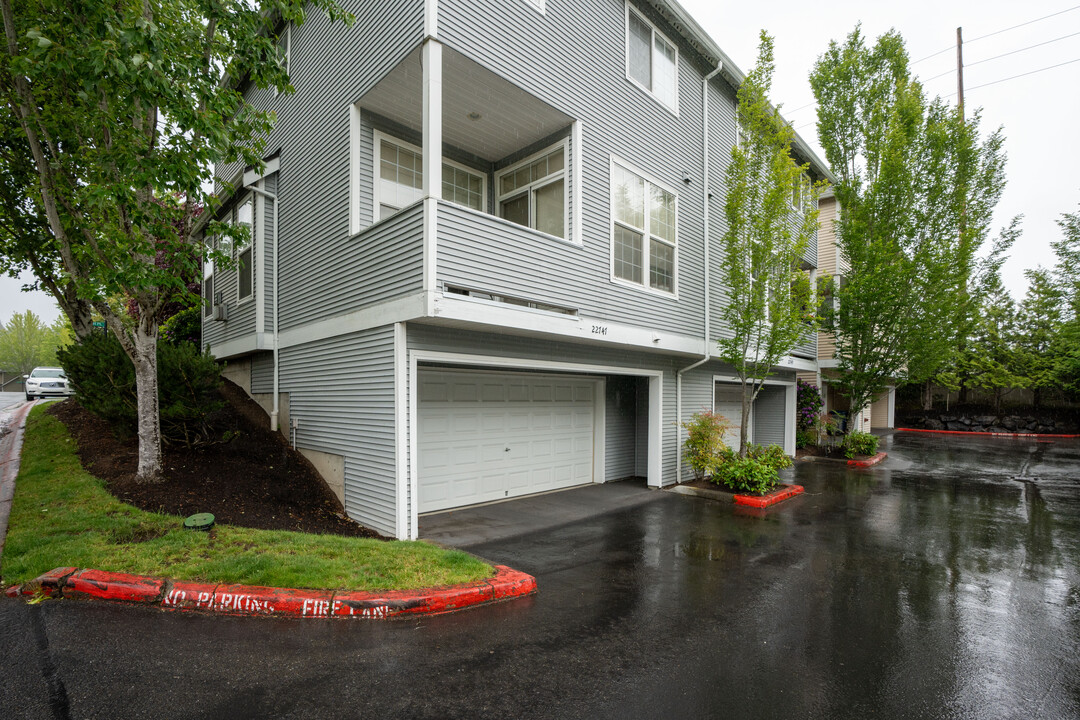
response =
{"points": [[123, 112], [768, 296]]}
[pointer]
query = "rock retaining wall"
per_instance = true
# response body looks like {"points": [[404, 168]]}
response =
{"points": [[1021, 424]]}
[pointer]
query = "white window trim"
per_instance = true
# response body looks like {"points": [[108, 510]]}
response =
{"points": [[652, 50], [378, 136], [288, 52], [236, 250], [566, 178], [644, 286]]}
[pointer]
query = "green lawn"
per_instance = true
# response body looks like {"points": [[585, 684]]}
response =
{"points": [[63, 516]]}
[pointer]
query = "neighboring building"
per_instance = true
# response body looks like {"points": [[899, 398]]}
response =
{"points": [[532, 308], [881, 413]]}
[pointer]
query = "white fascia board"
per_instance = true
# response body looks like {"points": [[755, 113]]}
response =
{"points": [[409, 307], [767, 381], [253, 176], [242, 345], [499, 315], [791, 362]]}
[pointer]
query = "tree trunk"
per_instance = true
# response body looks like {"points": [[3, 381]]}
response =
{"points": [[743, 426], [144, 358], [928, 396]]}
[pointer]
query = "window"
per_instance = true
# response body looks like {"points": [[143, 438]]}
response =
{"points": [[652, 61], [400, 179], [245, 265], [208, 291], [284, 49], [643, 218], [533, 192], [799, 193], [208, 277]]}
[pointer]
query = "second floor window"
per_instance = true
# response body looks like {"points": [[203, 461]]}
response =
{"points": [[400, 179], [245, 266], [643, 231], [652, 61], [533, 192]]}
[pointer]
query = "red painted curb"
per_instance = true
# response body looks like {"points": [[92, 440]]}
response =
{"points": [[112, 586], [251, 600], [763, 501], [993, 434], [869, 461]]}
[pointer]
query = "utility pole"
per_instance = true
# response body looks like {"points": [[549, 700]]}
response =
{"points": [[960, 70]]}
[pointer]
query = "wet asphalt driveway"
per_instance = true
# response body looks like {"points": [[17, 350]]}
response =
{"points": [[936, 585]]}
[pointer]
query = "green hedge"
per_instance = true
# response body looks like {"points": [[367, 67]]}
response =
{"points": [[104, 382]]}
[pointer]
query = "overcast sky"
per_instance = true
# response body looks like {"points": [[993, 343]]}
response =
{"points": [[1040, 112]]}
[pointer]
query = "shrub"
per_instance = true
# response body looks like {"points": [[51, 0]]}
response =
{"points": [[757, 472], [704, 447], [805, 438], [859, 443], [746, 475], [104, 382], [772, 455], [808, 404], [184, 326]]}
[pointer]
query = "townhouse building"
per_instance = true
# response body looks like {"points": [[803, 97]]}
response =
{"points": [[485, 251]]}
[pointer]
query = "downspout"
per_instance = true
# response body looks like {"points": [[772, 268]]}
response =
{"points": [[276, 410], [705, 193]]}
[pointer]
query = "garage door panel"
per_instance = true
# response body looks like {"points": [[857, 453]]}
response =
{"points": [[469, 419]]}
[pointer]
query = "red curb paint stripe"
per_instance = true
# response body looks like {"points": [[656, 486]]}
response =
{"points": [[253, 600], [761, 501], [184, 595], [510, 583], [992, 434], [283, 602], [869, 461], [411, 602], [113, 586]]}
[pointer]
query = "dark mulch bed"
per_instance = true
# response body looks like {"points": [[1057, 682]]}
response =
{"points": [[254, 480]]}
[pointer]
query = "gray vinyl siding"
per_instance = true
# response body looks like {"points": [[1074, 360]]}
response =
{"points": [[770, 416], [573, 57], [807, 347], [241, 315], [270, 185], [332, 65], [262, 372], [382, 262], [436, 338], [349, 412], [620, 427]]}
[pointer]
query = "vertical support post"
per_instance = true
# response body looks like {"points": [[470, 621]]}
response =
{"points": [[433, 135], [960, 71], [656, 429], [790, 410]]}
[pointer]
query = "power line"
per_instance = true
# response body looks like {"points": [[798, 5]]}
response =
{"points": [[998, 32], [1032, 72], [1044, 17], [1012, 52]]}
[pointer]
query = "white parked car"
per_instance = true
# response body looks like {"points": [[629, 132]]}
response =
{"points": [[46, 382]]}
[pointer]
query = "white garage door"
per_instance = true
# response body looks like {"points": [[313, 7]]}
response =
{"points": [[729, 404], [489, 436]]}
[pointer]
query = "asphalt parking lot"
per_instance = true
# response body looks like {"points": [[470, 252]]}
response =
{"points": [[942, 583]]}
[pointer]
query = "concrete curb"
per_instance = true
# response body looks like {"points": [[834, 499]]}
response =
{"points": [[869, 462], [757, 501], [249, 600], [11, 438], [763, 501], [992, 434]]}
